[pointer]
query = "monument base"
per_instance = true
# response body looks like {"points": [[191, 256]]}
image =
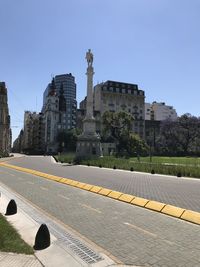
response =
{"points": [[88, 146]]}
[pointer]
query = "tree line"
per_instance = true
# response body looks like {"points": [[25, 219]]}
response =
{"points": [[174, 138]]}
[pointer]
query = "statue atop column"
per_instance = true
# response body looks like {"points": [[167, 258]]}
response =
{"points": [[88, 144], [89, 57]]}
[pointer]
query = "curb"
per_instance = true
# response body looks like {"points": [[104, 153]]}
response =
{"points": [[180, 213]]}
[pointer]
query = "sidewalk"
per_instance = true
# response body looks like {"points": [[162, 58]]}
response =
{"points": [[54, 256], [18, 260]]}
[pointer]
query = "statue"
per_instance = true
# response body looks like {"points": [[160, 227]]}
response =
{"points": [[89, 57]]}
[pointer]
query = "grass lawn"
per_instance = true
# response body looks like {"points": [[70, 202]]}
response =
{"points": [[10, 240], [181, 166], [67, 157], [169, 160]]}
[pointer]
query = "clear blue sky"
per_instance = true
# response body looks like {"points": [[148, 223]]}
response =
{"points": [[153, 43]]}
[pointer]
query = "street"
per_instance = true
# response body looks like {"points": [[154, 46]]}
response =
{"points": [[131, 234]]}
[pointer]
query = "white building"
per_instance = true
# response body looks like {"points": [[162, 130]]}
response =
{"points": [[159, 112], [54, 117], [118, 96]]}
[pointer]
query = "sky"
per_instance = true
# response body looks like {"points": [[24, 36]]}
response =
{"points": [[152, 43]]}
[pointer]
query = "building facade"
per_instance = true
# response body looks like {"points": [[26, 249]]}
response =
{"points": [[5, 130], [31, 139], [67, 81], [155, 113], [159, 112], [118, 96], [55, 117]]}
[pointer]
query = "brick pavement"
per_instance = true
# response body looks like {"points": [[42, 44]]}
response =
{"points": [[132, 234], [179, 192], [18, 260]]}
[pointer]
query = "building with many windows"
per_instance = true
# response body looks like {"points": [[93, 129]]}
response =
{"points": [[31, 139], [67, 81], [159, 112], [155, 113], [5, 131], [115, 97], [119, 96]]}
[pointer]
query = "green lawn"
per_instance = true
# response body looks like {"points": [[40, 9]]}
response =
{"points": [[10, 240], [67, 157], [169, 160], [184, 166]]}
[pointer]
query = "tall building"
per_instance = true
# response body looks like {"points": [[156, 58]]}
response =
{"points": [[5, 131], [119, 96], [159, 112], [31, 139], [67, 81], [54, 117]]}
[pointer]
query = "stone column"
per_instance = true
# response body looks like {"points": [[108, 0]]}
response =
{"points": [[88, 144]]}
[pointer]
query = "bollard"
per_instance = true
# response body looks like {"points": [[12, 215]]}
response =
{"points": [[131, 169], [42, 239], [11, 208]]}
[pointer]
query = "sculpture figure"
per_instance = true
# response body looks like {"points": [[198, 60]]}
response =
{"points": [[89, 57]]}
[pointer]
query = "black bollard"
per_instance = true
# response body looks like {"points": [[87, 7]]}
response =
{"points": [[11, 208], [42, 239]]}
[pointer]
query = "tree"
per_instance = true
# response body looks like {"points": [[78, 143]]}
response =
{"points": [[189, 131], [136, 146], [67, 140], [181, 137], [118, 126]]}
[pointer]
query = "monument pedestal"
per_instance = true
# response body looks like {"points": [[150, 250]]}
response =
{"points": [[88, 144]]}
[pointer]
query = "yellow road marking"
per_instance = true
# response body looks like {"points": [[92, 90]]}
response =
{"points": [[89, 207]]}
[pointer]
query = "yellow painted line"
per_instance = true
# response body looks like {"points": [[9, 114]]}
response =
{"points": [[173, 211], [62, 180], [114, 194], [177, 212], [126, 198], [80, 185], [191, 216], [74, 183], [139, 201], [87, 187], [95, 189], [67, 181], [104, 191], [155, 205], [89, 208]]}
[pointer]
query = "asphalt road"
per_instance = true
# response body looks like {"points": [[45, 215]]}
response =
{"points": [[133, 235], [176, 191]]}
